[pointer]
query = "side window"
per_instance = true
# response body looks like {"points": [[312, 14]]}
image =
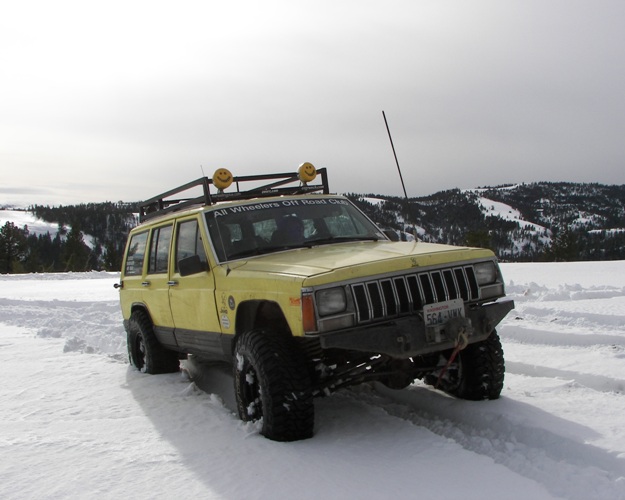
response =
{"points": [[189, 242], [136, 254], [159, 250]]}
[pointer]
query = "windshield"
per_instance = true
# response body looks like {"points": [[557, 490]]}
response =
{"points": [[265, 227]]}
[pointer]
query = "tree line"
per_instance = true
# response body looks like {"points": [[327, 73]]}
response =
{"points": [[569, 222], [106, 224]]}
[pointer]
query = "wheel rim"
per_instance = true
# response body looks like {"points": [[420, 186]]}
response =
{"points": [[140, 350], [251, 391]]}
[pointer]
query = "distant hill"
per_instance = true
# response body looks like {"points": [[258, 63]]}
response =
{"points": [[66, 238], [522, 222]]}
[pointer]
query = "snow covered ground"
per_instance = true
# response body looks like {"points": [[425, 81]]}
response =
{"points": [[491, 208], [78, 422]]}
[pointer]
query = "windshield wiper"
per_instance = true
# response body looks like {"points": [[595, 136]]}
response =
{"points": [[286, 246], [244, 253], [342, 239], [265, 250]]}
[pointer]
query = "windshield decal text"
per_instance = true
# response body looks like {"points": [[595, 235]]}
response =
{"points": [[277, 204]]}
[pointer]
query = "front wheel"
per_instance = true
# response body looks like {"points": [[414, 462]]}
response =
{"points": [[145, 353], [272, 383], [477, 372]]}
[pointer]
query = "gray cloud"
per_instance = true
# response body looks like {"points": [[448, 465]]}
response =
{"points": [[476, 93]]}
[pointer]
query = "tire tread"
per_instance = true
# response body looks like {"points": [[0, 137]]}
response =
{"points": [[288, 410]]}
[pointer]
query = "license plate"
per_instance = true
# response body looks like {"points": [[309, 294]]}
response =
{"points": [[442, 312]]}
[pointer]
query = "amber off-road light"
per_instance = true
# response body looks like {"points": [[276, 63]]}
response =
{"points": [[222, 178], [307, 172]]}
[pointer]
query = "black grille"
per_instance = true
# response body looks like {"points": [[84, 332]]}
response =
{"points": [[394, 296]]}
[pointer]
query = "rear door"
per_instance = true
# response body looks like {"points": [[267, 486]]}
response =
{"points": [[133, 271], [156, 283]]}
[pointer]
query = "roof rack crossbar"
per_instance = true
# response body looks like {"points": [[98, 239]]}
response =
{"points": [[159, 205], [292, 178]]}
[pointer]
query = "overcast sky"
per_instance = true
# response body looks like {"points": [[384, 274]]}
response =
{"points": [[122, 100]]}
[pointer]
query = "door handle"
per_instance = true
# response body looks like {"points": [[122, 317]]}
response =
{"points": [[145, 283], [172, 283]]}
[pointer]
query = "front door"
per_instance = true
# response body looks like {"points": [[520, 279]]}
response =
{"points": [[192, 297]]}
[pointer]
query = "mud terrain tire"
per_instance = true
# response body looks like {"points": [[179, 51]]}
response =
{"points": [[144, 351], [477, 373], [272, 382]]}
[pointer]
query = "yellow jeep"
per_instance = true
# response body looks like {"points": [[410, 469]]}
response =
{"points": [[304, 295]]}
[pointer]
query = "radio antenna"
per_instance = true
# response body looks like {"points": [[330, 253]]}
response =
{"points": [[395, 155], [401, 178]]}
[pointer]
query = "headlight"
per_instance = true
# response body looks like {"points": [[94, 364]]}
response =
{"points": [[485, 272], [331, 301]]}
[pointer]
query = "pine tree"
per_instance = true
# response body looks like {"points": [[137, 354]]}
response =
{"points": [[564, 247], [478, 238], [13, 246], [75, 254]]}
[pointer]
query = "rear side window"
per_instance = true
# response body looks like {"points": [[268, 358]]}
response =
{"points": [[189, 242], [159, 250], [136, 254]]}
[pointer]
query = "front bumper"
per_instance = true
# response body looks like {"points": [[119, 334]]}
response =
{"points": [[408, 336]]}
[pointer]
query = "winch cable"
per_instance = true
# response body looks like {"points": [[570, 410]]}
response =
{"points": [[461, 342]]}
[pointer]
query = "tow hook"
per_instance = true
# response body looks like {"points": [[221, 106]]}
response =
{"points": [[463, 339], [461, 342]]}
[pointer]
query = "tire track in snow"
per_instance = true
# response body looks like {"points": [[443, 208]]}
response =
{"points": [[555, 347], [595, 382], [534, 292], [568, 332], [510, 438], [589, 310], [541, 337]]}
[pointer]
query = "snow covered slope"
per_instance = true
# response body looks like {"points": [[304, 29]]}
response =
{"points": [[78, 422], [22, 218]]}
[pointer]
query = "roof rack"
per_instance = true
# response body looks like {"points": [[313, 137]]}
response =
{"points": [[161, 204]]}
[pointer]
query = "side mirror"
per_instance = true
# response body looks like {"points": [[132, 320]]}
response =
{"points": [[392, 235], [191, 265]]}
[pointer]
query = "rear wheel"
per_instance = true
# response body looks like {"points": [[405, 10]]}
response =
{"points": [[144, 351], [477, 373], [272, 383]]}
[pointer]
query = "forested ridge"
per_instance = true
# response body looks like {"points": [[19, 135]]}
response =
{"points": [[526, 222], [104, 225], [540, 221]]}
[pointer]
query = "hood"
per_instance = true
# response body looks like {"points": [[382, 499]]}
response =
{"points": [[358, 259]]}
